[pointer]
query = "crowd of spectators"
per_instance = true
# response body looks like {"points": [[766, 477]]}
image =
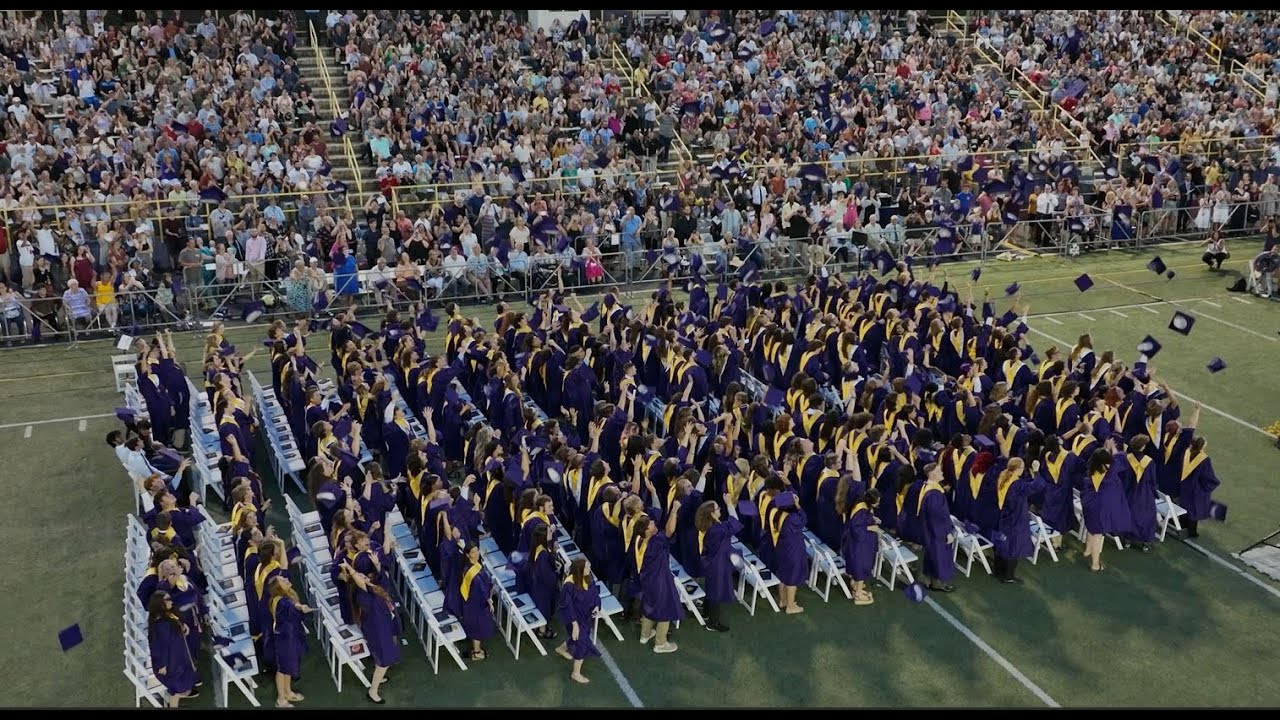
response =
{"points": [[813, 133]]}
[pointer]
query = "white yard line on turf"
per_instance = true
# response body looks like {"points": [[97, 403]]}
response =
{"points": [[1086, 317], [1150, 309], [619, 678], [991, 653], [1055, 321], [1183, 304], [1230, 566], [1210, 302], [1117, 312], [1145, 306], [56, 420], [1246, 301]]}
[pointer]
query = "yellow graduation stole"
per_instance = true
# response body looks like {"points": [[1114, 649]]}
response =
{"points": [[671, 495], [595, 487], [957, 340], [275, 617], [864, 327], [404, 427], [933, 411], [1003, 489], [762, 504], [325, 443], [855, 445], [641, 546], [415, 483], [776, 521], [1054, 467], [168, 535], [975, 482], [1011, 368], [1096, 479], [971, 348], [804, 359], [261, 575], [901, 499], [334, 535], [780, 441], [572, 478], [1168, 450], [1153, 430], [793, 398], [958, 460], [702, 537], [877, 302], [1081, 443], [1062, 409], [929, 486], [1189, 464], [646, 464], [239, 510], [628, 527], [935, 341], [535, 514], [859, 506], [488, 491], [808, 419], [362, 402], [734, 490], [1139, 465], [467, 578], [1109, 414], [1006, 440], [612, 513]]}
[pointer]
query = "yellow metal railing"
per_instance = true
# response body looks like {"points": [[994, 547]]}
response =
{"points": [[1182, 27], [1207, 146], [322, 63], [620, 61], [1250, 78]]}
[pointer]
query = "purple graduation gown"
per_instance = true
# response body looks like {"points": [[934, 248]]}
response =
{"points": [[859, 544], [577, 605], [659, 601], [717, 567], [1140, 491], [1055, 496], [1197, 488], [169, 651], [935, 526], [791, 561], [289, 638], [476, 619], [378, 622], [538, 577], [1015, 521], [1106, 511]]}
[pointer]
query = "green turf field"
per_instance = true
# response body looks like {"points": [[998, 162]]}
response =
{"points": [[1175, 627]]}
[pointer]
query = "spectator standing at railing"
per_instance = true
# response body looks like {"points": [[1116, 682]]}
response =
{"points": [[78, 304], [12, 313]]}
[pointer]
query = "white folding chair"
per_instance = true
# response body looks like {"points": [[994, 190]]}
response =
{"points": [[973, 545], [898, 557], [1043, 538], [755, 580], [828, 563], [1168, 513]]}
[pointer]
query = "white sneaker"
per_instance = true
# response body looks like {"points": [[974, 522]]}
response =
{"points": [[667, 647], [644, 639]]}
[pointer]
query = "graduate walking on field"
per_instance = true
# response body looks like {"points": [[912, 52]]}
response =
{"points": [[579, 606]]}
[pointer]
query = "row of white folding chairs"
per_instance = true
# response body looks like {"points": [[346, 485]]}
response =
{"points": [[137, 650], [568, 551], [423, 597], [516, 614], [282, 447], [235, 660], [826, 563], [755, 579], [342, 643]]}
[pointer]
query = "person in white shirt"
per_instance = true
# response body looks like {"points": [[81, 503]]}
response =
{"points": [[519, 234], [255, 253], [135, 462], [380, 277], [455, 267]]}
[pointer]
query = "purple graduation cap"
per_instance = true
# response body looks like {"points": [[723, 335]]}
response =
{"points": [[1157, 265], [746, 508], [749, 269], [813, 173], [767, 27], [1149, 347], [1170, 274], [722, 291], [773, 397], [1181, 323], [914, 592], [884, 262], [1218, 511], [591, 313], [1140, 371], [358, 329], [976, 273], [428, 321], [982, 442], [947, 304], [1084, 282], [1012, 289], [70, 637], [785, 500], [252, 310], [1217, 365]]}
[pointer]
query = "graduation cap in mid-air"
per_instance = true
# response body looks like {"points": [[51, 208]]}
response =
{"points": [[1084, 282], [1012, 289], [1149, 346], [746, 508], [70, 637], [977, 273], [1181, 323], [1218, 511], [1217, 365], [1157, 265], [358, 329], [1170, 274]]}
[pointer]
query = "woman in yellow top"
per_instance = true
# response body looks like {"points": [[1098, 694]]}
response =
{"points": [[104, 296]]}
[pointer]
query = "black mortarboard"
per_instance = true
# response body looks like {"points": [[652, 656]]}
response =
{"points": [[1218, 511], [1084, 282], [358, 329], [1012, 289], [1157, 265], [1181, 323], [1149, 346], [1170, 274], [977, 273], [746, 508], [1217, 365]]}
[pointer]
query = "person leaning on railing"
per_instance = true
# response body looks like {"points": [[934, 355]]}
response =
{"points": [[12, 314]]}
